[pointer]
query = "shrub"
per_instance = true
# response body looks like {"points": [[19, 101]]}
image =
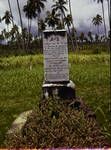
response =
{"points": [[57, 125]]}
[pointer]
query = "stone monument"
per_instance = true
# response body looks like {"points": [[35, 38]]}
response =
{"points": [[56, 70]]}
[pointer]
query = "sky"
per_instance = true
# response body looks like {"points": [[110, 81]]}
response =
{"points": [[83, 11]]}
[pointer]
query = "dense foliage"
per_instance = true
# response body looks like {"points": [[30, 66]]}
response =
{"points": [[54, 125]]}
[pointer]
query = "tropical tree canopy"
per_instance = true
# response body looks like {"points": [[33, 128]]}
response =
{"points": [[29, 10], [7, 17], [52, 18], [38, 5], [68, 20], [42, 25], [60, 5], [97, 20]]}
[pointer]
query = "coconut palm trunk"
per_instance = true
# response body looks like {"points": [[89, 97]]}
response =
{"points": [[23, 41], [62, 19], [109, 15], [37, 19], [11, 12], [29, 31], [104, 19], [71, 38], [73, 24], [98, 29], [27, 46]]}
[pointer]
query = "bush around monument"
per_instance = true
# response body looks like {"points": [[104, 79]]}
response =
{"points": [[53, 124]]}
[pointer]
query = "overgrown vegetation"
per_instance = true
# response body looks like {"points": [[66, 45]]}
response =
{"points": [[21, 81], [55, 125]]}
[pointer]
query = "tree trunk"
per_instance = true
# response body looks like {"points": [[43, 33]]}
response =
{"points": [[38, 24], [73, 24], [11, 12], [13, 20], [62, 20], [23, 42], [98, 29], [39, 34], [104, 20], [71, 38], [109, 15], [29, 30]]}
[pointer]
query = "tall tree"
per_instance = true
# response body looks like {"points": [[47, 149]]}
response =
{"points": [[20, 16], [1, 37], [38, 6], [11, 12], [97, 21], [90, 36], [5, 35], [60, 7], [68, 22], [42, 25], [52, 19], [109, 12], [102, 4], [81, 37], [73, 24], [30, 13], [96, 38], [7, 18]]}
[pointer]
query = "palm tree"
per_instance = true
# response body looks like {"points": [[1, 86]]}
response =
{"points": [[108, 3], [102, 4], [52, 19], [1, 37], [7, 17], [30, 13], [42, 25], [6, 35], [68, 22], [97, 21], [38, 6], [109, 12], [60, 7], [81, 37], [11, 12], [20, 16], [96, 38], [73, 23], [90, 36], [14, 32], [41, 28]]}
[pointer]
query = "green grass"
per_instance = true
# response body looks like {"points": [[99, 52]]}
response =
{"points": [[21, 81]]}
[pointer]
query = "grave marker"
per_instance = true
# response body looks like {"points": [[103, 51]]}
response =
{"points": [[55, 56], [56, 70]]}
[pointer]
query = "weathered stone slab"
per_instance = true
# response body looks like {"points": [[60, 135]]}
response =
{"points": [[19, 123], [55, 56]]}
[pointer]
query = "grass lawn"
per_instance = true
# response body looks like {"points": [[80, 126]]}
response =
{"points": [[21, 86]]}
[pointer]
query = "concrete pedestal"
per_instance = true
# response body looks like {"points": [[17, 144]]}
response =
{"points": [[60, 90]]}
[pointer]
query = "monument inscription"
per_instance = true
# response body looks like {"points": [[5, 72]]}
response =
{"points": [[55, 56]]}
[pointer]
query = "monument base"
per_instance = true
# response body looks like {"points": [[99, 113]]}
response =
{"points": [[60, 90]]}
